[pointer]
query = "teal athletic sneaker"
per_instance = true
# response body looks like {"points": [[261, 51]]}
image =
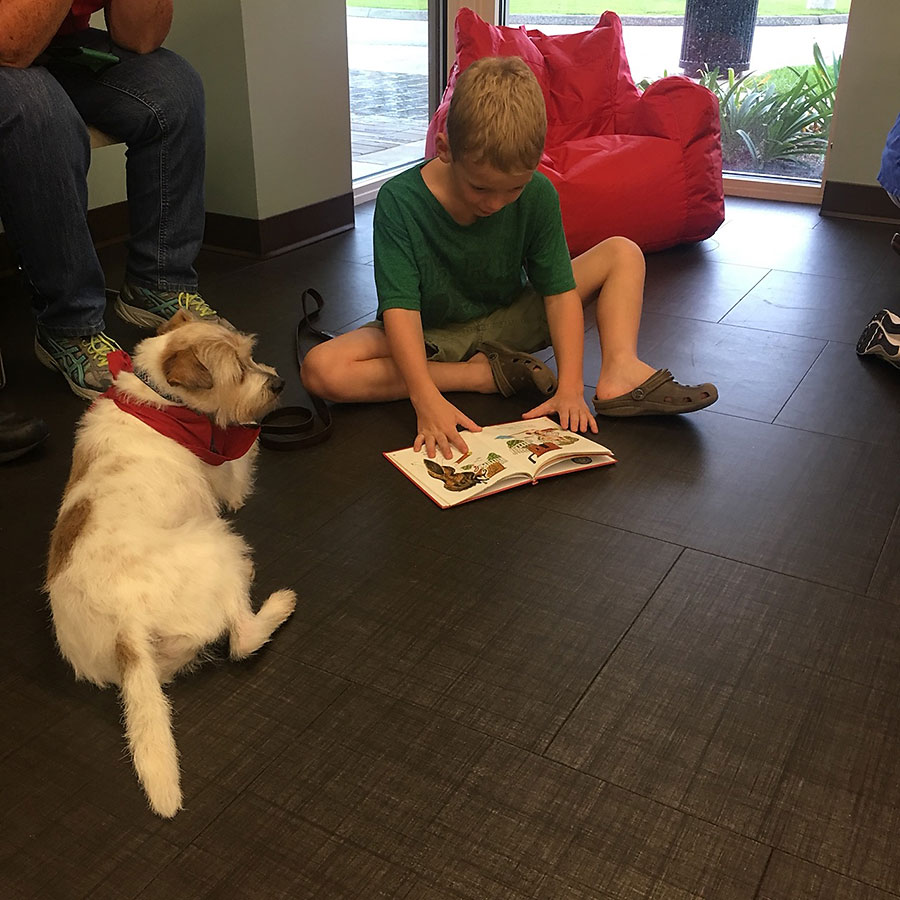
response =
{"points": [[81, 360], [148, 308]]}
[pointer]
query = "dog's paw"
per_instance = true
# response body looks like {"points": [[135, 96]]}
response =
{"points": [[279, 605], [232, 502], [250, 632]]}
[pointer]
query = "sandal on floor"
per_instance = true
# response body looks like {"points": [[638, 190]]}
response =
{"points": [[514, 371], [659, 395]]}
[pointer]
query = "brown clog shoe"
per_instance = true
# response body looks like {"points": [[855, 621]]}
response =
{"points": [[659, 395], [514, 371]]}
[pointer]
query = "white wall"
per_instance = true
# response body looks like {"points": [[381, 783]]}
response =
{"points": [[868, 95], [106, 178], [278, 104], [299, 93], [210, 35]]}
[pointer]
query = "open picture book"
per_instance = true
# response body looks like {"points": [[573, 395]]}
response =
{"points": [[500, 457]]}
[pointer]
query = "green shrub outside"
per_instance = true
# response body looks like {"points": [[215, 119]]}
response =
{"points": [[773, 117]]}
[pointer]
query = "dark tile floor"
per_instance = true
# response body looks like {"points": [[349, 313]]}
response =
{"points": [[676, 677]]}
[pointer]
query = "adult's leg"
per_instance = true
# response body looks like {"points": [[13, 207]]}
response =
{"points": [[895, 240], [154, 102], [357, 367], [613, 273], [44, 158]]}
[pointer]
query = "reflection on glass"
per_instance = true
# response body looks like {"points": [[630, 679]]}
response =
{"points": [[776, 115], [387, 44]]}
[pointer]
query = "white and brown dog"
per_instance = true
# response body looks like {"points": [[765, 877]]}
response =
{"points": [[142, 572]]}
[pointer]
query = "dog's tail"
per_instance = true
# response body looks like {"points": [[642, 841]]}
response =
{"points": [[148, 725]]}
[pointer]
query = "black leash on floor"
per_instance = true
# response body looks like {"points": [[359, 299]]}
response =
{"points": [[294, 427]]}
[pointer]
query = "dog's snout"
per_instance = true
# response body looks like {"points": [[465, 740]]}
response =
{"points": [[276, 384]]}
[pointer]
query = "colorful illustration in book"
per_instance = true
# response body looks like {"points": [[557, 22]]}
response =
{"points": [[537, 442], [554, 436], [453, 480], [479, 471], [514, 444], [490, 466], [535, 451]]}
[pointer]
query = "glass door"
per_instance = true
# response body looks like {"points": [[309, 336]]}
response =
{"points": [[396, 51], [773, 64]]}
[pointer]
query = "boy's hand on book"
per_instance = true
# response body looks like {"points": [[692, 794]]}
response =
{"points": [[571, 409], [437, 421]]}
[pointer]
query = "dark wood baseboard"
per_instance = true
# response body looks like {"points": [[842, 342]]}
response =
{"points": [[264, 238], [858, 201], [259, 239], [109, 224]]}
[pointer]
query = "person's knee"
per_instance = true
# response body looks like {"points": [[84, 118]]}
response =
{"points": [[173, 97], [320, 370], [183, 85], [625, 253], [614, 257]]}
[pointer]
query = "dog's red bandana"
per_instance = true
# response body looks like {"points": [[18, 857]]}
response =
{"points": [[209, 442]]}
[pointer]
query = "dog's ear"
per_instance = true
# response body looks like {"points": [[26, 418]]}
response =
{"points": [[182, 317], [182, 368]]}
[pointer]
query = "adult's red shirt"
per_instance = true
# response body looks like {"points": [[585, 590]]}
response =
{"points": [[79, 16]]}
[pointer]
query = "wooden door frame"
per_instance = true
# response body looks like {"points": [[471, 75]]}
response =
{"points": [[761, 188], [489, 10]]}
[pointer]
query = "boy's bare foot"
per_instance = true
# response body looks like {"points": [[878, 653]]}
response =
{"points": [[614, 382], [485, 378], [659, 395]]}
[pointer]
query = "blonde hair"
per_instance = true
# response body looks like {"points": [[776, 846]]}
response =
{"points": [[497, 115]]}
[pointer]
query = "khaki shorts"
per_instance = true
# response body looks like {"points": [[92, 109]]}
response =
{"points": [[522, 325]]}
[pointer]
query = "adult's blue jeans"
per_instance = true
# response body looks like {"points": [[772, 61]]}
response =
{"points": [[152, 102]]}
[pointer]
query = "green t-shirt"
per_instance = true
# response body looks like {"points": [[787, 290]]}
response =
{"points": [[424, 260]]}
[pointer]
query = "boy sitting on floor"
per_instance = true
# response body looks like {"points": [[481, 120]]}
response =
{"points": [[473, 274]]}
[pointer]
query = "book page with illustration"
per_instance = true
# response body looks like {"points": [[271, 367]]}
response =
{"points": [[501, 457]]}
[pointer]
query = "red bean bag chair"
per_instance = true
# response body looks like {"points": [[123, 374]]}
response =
{"points": [[644, 165]]}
